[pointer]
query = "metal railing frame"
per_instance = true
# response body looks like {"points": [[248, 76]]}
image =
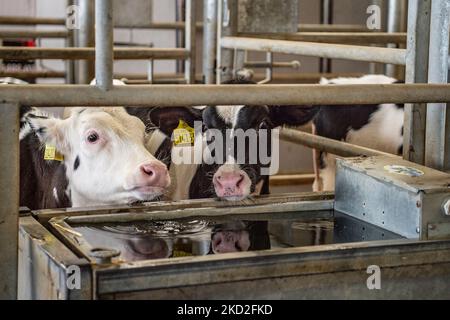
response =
{"points": [[11, 97]]}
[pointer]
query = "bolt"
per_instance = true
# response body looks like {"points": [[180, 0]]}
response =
{"points": [[446, 207], [418, 230], [418, 204], [103, 255], [431, 227]]}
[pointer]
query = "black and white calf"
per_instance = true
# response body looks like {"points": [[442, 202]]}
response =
{"points": [[377, 127], [105, 160], [226, 178]]}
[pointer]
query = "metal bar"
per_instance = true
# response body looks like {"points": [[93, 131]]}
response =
{"points": [[226, 26], [331, 28], [11, 34], [197, 95], [335, 51], [209, 40], [26, 53], [85, 38], [32, 74], [104, 44], [150, 69], [264, 64], [291, 179], [31, 21], [9, 199], [177, 25], [70, 64], [289, 78], [417, 57], [338, 148], [396, 22], [190, 39], [435, 153], [213, 211], [326, 17], [335, 37], [269, 70]]}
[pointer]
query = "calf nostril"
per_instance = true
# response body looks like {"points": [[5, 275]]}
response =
{"points": [[241, 179], [147, 170]]}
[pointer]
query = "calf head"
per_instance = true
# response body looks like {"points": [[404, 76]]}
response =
{"points": [[105, 156], [239, 145]]}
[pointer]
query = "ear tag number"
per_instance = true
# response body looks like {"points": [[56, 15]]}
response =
{"points": [[183, 135], [51, 153]]}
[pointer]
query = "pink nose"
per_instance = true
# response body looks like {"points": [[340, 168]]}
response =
{"points": [[228, 184], [230, 241], [155, 174]]}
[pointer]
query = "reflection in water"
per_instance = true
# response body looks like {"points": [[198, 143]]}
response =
{"points": [[167, 239]]}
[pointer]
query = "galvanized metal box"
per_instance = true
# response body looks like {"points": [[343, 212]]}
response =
{"points": [[394, 194], [268, 16]]}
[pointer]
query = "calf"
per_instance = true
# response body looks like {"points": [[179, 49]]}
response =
{"points": [[222, 173], [378, 127], [105, 160]]}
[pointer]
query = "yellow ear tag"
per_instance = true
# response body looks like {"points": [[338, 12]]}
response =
{"points": [[179, 253], [183, 135], [51, 153]]}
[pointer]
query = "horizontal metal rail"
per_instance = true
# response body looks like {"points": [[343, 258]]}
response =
{"points": [[297, 77], [336, 147], [11, 34], [26, 53], [31, 20], [336, 37], [32, 74], [291, 179], [314, 49], [16, 20], [191, 95]]}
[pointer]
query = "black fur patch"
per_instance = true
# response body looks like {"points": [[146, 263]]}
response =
{"points": [[76, 164]]}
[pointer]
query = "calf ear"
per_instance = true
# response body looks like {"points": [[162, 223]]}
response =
{"points": [[167, 119], [292, 115], [50, 131]]}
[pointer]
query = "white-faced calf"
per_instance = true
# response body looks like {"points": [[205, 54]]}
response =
{"points": [[105, 160]]}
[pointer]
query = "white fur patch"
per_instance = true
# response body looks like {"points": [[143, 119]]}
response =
{"points": [[368, 79], [383, 132], [229, 114]]}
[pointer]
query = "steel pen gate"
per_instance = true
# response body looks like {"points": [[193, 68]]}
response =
{"points": [[426, 60]]}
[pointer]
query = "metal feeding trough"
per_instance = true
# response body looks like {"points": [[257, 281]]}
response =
{"points": [[276, 247]]}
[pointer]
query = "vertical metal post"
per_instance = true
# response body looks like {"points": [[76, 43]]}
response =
{"points": [[9, 199], [396, 21], [190, 35], [70, 43], [150, 70], [417, 53], [179, 33], [326, 17], [104, 54], [227, 27], [85, 37], [437, 73], [209, 40], [70, 64]]}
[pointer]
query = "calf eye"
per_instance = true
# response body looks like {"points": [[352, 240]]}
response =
{"points": [[92, 137]]}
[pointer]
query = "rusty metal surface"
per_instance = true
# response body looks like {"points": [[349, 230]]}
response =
{"points": [[43, 263]]}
